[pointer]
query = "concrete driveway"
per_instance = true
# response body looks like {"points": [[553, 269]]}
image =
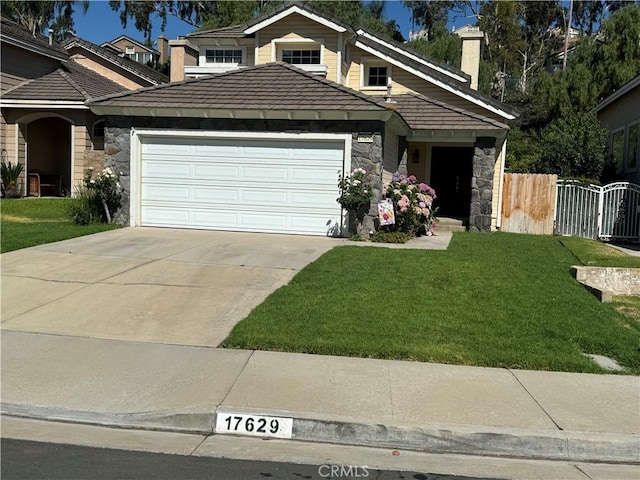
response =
{"points": [[185, 287]]}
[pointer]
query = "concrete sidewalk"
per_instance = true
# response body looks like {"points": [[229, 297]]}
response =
{"points": [[355, 401]]}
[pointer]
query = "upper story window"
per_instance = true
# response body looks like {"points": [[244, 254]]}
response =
{"points": [[376, 77], [129, 50], [301, 57], [228, 56]]}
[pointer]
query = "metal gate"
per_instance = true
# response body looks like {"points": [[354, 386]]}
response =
{"points": [[611, 212]]}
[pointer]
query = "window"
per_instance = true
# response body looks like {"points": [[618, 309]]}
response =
{"points": [[224, 56], [617, 149], [129, 51], [98, 135], [376, 76], [301, 57], [633, 150]]}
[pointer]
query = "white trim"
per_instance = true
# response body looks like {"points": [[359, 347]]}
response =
{"points": [[413, 57], [436, 82], [339, 59], [503, 160], [365, 64], [299, 11], [73, 160], [256, 48], [40, 104], [135, 155], [17, 139]]}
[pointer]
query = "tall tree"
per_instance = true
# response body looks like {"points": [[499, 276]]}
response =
{"points": [[426, 14], [37, 16]]}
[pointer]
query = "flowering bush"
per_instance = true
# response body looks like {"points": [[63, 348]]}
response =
{"points": [[98, 198], [355, 195], [107, 189], [413, 204]]}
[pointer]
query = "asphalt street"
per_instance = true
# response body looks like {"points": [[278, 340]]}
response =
{"points": [[27, 460]]}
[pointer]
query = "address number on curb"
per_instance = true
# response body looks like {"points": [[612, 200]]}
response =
{"points": [[255, 425]]}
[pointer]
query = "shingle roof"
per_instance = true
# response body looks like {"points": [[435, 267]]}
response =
{"points": [[15, 34], [71, 82], [149, 74], [273, 86], [423, 113], [238, 30]]}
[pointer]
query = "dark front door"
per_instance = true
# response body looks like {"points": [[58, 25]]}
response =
{"points": [[451, 171]]}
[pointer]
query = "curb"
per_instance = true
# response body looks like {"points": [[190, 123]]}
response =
{"points": [[459, 439]]}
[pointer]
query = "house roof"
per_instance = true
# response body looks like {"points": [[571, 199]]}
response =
{"points": [[272, 87], [424, 113], [129, 39], [14, 34], [623, 90], [381, 46], [142, 71], [71, 82]]}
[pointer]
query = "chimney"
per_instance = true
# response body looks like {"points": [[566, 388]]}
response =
{"points": [[51, 36], [471, 38], [183, 54], [163, 48]]}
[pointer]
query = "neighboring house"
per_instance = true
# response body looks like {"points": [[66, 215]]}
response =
{"points": [[299, 97], [138, 51], [45, 122], [620, 113]]}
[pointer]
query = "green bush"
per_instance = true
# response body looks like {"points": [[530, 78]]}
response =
{"points": [[84, 208], [390, 237]]}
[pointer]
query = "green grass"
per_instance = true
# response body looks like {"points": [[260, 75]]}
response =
{"points": [[500, 300], [598, 254], [28, 222]]}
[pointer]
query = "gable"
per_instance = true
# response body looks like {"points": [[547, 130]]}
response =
{"points": [[285, 11]]}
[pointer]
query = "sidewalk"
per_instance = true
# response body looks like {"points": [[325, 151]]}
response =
{"points": [[354, 401]]}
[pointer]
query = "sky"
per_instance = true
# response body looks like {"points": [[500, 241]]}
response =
{"points": [[101, 24]]}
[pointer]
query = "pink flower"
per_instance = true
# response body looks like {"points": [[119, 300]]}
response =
{"points": [[412, 179], [422, 205]]}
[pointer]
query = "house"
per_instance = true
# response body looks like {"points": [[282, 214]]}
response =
{"points": [[45, 122], [261, 118], [620, 113], [139, 52]]}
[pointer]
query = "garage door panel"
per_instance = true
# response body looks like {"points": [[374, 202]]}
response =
{"points": [[165, 192], [158, 169], [264, 185]]}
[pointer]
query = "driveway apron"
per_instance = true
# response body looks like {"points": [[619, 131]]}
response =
{"points": [[184, 287]]}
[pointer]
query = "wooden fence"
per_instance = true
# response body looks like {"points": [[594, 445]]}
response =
{"points": [[528, 203]]}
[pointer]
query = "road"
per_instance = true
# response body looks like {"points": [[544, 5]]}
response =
{"points": [[26, 460]]}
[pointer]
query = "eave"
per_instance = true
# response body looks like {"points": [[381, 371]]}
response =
{"points": [[44, 104]]}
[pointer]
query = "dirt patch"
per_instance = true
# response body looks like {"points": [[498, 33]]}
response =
{"points": [[16, 219]]}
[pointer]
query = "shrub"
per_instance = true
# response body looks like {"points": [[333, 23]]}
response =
{"points": [[390, 237], [97, 200], [9, 174], [355, 195], [413, 205], [83, 209]]}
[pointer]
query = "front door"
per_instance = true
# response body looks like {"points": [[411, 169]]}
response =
{"points": [[451, 171]]}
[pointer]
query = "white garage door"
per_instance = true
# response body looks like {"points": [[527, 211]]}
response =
{"points": [[257, 185]]}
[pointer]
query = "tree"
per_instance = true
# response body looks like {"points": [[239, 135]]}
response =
{"points": [[36, 16], [427, 14], [573, 146], [444, 45]]}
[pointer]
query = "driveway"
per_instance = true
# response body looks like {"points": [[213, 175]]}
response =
{"points": [[184, 287]]}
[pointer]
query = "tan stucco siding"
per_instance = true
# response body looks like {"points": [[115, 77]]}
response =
{"points": [[128, 80], [18, 65], [124, 43], [296, 27]]}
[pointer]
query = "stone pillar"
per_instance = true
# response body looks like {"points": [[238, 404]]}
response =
{"points": [[369, 157], [484, 158], [117, 144]]}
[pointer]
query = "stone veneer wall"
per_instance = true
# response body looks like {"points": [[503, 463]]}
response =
{"points": [[363, 155], [484, 158]]}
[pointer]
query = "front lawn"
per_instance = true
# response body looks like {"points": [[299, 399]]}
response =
{"points": [[26, 222], [500, 300]]}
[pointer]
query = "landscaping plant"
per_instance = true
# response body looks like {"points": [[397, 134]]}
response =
{"points": [[10, 174], [413, 205], [355, 197], [98, 199]]}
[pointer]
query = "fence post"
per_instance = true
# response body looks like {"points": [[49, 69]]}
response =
{"points": [[600, 211]]}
